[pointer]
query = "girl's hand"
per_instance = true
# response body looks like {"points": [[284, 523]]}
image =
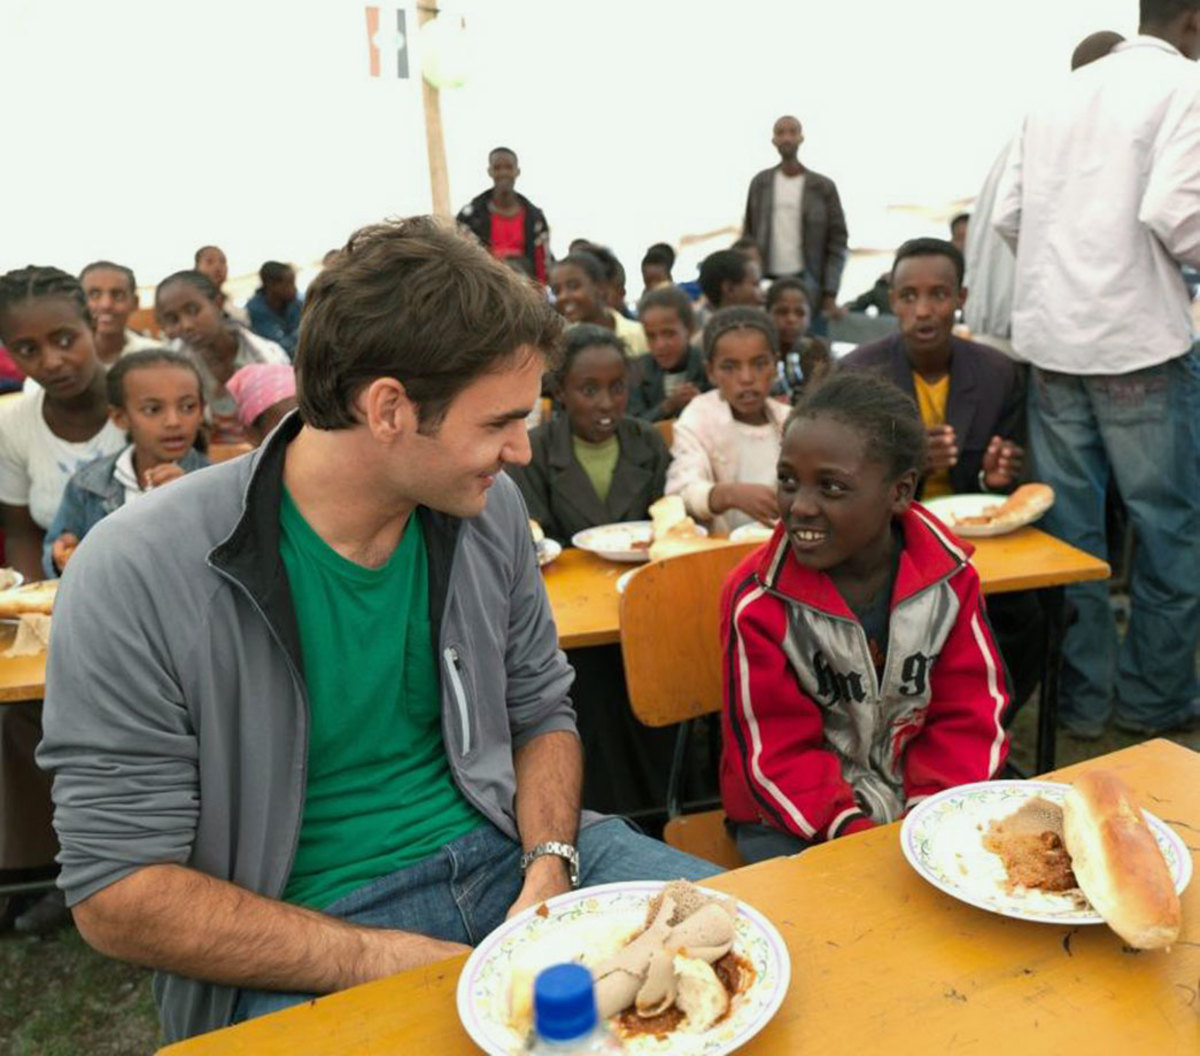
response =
{"points": [[1002, 463], [680, 398], [758, 500], [157, 476], [62, 549], [943, 448]]}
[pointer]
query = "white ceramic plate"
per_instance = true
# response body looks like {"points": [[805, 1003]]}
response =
{"points": [[547, 550], [943, 841], [751, 533], [627, 541], [589, 925], [949, 508]]}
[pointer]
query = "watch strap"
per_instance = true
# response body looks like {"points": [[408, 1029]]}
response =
{"points": [[559, 850]]}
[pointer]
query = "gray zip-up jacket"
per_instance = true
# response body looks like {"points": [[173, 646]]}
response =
{"points": [[176, 717]]}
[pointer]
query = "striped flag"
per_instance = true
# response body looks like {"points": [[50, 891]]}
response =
{"points": [[383, 42]]}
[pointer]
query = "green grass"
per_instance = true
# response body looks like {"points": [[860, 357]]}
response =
{"points": [[58, 997]]}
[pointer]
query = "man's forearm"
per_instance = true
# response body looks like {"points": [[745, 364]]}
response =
{"points": [[179, 920], [549, 777]]}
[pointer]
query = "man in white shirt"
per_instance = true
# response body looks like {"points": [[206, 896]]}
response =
{"points": [[795, 217], [1102, 203]]}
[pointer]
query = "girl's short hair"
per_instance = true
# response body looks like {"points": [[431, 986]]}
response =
{"points": [[739, 318], [146, 357], [780, 286], [886, 417], [202, 283], [673, 299], [586, 262], [36, 283], [584, 336]]}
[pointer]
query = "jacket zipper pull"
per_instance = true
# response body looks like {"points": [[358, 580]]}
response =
{"points": [[454, 669]]}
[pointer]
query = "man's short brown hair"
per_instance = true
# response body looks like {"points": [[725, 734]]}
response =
{"points": [[421, 302]]}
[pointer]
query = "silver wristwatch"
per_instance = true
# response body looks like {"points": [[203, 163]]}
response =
{"points": [[560, 850]]}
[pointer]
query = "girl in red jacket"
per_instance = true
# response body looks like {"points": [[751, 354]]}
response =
{"points": [[860, 671]]}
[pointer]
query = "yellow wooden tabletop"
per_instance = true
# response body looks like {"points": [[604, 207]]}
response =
{"points": [[21, 677], [882, 962], [583, 595], [584, 599]]}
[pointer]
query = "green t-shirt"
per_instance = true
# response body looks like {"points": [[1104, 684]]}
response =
{"points": [[380, 795], [599, 462]]}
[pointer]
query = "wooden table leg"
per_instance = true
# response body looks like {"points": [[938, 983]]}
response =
{"points": [[1054, 605]]}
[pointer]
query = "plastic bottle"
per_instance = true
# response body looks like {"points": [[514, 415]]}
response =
{"points": [[564, 1010]]}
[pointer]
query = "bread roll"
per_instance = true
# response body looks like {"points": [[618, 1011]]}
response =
{"points": [[1025, 504], [32, 597], [1117, 862]]}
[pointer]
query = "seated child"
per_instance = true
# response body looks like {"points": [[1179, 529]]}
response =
{"points": [[265, 394], [155, 398], [656, 267], [863, 674], [667, 380], [592, 465], [727, 441], [580, 286], [729, 278], [803, 358], [188, 308]]}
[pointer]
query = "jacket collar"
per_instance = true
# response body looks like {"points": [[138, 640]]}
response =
{"points": [[97, 478], [632, 473], [250, 554], [931, 554], [963, 399]]}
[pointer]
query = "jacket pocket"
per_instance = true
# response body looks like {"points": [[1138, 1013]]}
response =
{"points": [[458, 692]]}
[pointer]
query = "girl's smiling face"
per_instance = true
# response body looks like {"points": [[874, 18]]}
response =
{"points": [[52, 343], [576, 296], [185, 313], [595, 393], [835, 499]]}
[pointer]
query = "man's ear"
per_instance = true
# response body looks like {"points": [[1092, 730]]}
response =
{"points": [[962, 297], [386, 409], [904, 491]]}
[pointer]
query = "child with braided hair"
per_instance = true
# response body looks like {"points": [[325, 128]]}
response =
{"points": [[45, 436], [188, 308]]}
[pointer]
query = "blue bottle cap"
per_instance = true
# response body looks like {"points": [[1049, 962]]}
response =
{"points": [[564, 1002]]}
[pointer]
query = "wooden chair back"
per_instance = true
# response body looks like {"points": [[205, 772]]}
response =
{"points": [[671, 634], [666, 429]]}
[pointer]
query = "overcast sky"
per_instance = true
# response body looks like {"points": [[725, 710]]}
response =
{"points": [[140, 129]]}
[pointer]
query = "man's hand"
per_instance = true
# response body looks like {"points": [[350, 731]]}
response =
{"points": [[831, 309], [679, 399], [1002, 463], [758, 500], [62, 549], [943, 448], [157, 476], [547, 876]]}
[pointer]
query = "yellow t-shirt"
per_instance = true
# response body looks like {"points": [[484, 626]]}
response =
{"points": [[931, 402]]}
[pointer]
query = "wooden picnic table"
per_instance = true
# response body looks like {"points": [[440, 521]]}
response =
{"points": [[583, 595], [882, 962], [583, 587]]}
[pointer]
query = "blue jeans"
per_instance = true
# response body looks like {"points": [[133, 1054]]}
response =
{"points": [[462, 892], [1143, 430], [757, 843]]}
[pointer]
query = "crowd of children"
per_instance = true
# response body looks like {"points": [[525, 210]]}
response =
{"points": [[863, 671]]}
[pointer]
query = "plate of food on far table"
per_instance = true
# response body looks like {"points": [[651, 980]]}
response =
{"points": [[987, 515], [1053, 853], [669, 531], [677, 968]]}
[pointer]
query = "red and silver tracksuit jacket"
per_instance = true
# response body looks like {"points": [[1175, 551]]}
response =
{"points": [[815, 742]]}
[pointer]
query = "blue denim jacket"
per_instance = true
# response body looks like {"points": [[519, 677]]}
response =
{"points": [[90, 496], [283, 329]]}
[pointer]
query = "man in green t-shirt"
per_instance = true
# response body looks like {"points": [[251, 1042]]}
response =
{"points": [[314, 725]]}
